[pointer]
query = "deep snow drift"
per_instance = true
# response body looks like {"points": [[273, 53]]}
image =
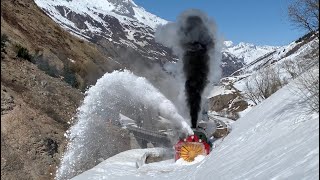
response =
{"points": [[277, 139]]}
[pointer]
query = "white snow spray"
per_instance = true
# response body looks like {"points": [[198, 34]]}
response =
{"points": [[114, 93]]}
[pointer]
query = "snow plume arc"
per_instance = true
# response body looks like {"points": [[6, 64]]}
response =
{"points": [[114, 93], [193, 39]]}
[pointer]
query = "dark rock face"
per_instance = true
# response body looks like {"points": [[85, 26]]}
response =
{"points": [[7, 101], [230, 64], [220, 102], [51, 146], [228, 105]]}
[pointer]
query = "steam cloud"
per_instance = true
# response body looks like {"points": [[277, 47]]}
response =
{"points": [[194, 41]]}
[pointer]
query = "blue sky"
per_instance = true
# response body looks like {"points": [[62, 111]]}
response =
{"points": [[262, 22]]}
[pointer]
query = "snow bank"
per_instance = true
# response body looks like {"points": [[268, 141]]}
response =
{"points": [[278, 139]]}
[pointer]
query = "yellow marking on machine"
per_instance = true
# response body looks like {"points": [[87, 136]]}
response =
{"points": [[191, 150]]}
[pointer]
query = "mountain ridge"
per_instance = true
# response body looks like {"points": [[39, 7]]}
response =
{"points": [[127, 25], [248, 51]]}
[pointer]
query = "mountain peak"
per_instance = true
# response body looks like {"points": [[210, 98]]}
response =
{"points": [[123, 7], [124, 10], [228, 43], [244, 44], [247, 51]]}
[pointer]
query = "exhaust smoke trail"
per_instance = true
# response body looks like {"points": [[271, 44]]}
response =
{"points": [[196, 43], [193, 39]]}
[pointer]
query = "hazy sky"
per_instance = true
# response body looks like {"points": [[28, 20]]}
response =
{"points": [[262, 22]]}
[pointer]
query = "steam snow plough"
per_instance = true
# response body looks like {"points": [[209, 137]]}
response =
{"points": [[187, 147], [190, 147], [201, 142]]}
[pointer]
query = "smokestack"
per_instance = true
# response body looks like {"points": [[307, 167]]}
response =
{"points": [[196, 43]]}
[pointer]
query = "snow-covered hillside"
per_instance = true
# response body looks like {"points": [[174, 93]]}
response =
{"points": [[247, 51], [125, 11], [114, 24], [105, 22], [285, 64], [295, 51], [278, 139]]}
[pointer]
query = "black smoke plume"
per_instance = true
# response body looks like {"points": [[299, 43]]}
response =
{"points": [[194, 40], [196, 43]]}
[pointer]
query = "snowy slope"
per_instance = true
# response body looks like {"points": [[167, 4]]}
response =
{"points": [[125, 11], [236, 56], [105, 22], [296, 50], [247, 51], [267, 143], [284, 62]]}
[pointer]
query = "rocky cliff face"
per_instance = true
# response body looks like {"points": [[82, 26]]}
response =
{"points": [[35, 109], [230, 63]]}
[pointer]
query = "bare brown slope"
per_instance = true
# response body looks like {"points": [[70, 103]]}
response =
{"points": [[35, 109], [37, 97], [27, 25]]}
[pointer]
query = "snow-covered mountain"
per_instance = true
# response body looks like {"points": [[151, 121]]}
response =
{"points": [[284, 64], [296, 50], [117, 25], [247, 51], [235, 56], [113, 24]]}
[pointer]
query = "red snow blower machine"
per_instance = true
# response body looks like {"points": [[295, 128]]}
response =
{"points": [[192, 146]]}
